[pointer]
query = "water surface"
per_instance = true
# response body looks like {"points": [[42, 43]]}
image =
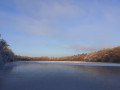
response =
{"points": [[46, 76]]}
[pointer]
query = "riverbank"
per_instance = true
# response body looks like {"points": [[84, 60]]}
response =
{"points": [[74, 63]]}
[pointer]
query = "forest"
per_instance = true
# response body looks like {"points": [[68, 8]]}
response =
{"points": [[6, 54], [103, 55]]}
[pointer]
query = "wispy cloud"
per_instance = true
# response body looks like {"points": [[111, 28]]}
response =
{"points": [[41, 17], [93, 24], [49, 8], [78, 48]]}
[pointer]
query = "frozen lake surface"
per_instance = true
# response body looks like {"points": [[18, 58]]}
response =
{"points": [[44, 75]]}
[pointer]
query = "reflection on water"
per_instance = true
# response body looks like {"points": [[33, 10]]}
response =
{"points": [[37, 76]]}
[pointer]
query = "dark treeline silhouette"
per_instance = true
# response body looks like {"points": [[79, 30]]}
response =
{"points": [[6, 54], [104, 55]]}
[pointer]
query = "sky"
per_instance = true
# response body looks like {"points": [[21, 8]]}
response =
{"points": [[59, 27]]}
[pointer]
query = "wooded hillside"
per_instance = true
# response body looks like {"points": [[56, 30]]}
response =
{"points": [[104, 55]]}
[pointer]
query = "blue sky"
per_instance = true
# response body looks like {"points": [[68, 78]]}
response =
{"points": [[59, 27]]}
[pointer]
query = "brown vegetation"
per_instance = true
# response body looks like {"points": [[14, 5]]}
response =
{"points": [[104, 55]]}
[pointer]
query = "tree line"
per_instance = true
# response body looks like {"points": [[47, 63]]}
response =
{"points": [[104, 55], [6, 54]]}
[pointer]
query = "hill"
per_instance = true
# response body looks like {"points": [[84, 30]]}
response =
{"points": [[104, 55]]}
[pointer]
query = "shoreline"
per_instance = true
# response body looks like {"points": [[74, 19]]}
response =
{"points": [[81, 63]]}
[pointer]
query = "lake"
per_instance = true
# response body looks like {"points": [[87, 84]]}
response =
{"points": [[30, 75]]}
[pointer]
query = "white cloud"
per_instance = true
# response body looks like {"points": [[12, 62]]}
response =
{"points": [[49, 8], [51, 19], [41, 17], [78, 48]]}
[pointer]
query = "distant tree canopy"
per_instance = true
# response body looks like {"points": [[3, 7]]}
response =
{"points": [[104, 55]]}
